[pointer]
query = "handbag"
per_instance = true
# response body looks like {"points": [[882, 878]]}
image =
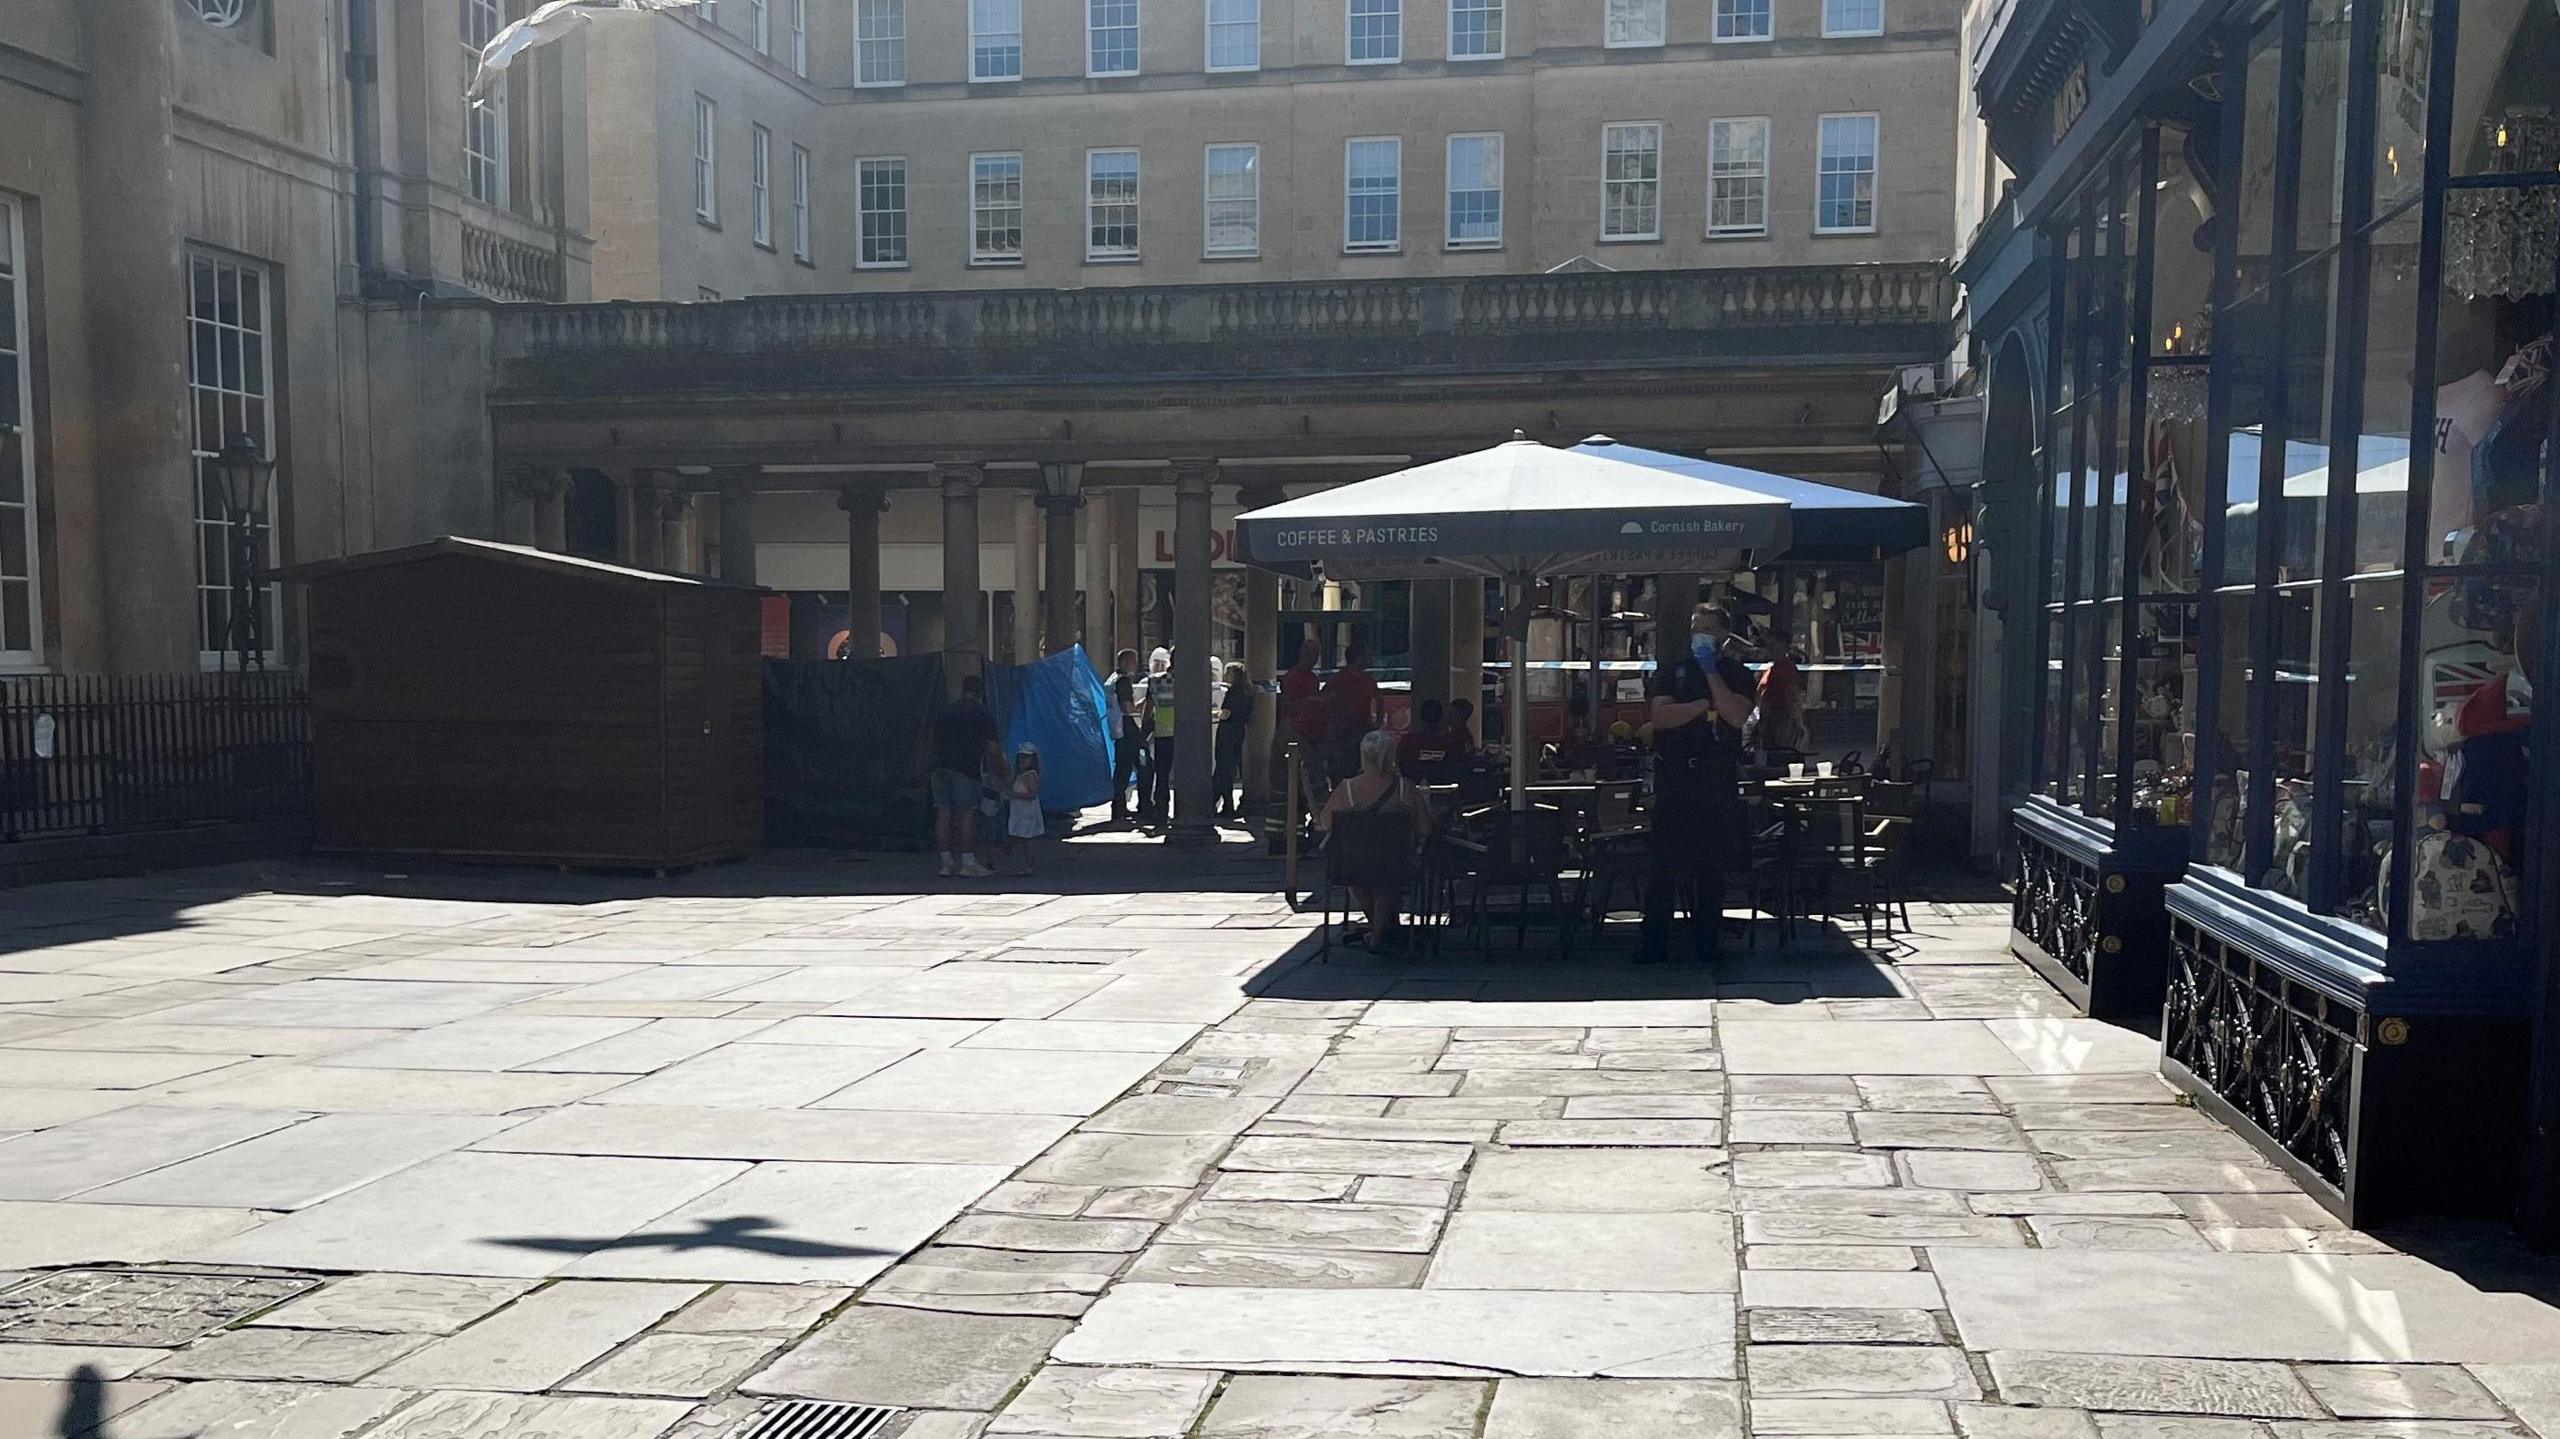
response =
{"points": [[2459, 889]]}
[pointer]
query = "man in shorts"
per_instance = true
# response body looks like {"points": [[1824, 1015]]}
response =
{"points": [[965, 748]]}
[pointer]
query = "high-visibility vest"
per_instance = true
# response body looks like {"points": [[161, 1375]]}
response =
{"points": [[1160, 702]]}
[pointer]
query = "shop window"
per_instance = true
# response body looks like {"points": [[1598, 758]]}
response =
{"points": [[18, 588]]}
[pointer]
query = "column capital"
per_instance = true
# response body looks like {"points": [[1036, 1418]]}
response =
{"points": [[857, 499], [1191, 472], [957, 478], [674, 504]]}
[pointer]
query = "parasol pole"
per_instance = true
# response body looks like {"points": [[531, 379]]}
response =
{"points": [[1515, 638]]}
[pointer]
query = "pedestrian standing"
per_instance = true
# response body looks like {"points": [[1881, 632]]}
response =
{"points": [[1700, 703], [1301, 716], [1350, 711], [1128, 756], [1024, 823], [1160, 721], [1235, 721], [965, 748]]}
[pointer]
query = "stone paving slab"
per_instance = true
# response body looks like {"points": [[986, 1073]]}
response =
{"points": [[852, 1136], [1410, 1332]]}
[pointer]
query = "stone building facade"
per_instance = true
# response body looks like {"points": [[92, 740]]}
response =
{"points": [[223, 217], [1022, 143]]}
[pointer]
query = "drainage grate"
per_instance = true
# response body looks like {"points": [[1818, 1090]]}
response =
{"points": [[816, 1419], [154, 1308]]}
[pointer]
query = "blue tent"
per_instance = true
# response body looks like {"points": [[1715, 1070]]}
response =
{"points": [[1830, 525], [1059, 705]]}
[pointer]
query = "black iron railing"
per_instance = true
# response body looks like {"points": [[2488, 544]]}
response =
{"points": [[113, 754]]}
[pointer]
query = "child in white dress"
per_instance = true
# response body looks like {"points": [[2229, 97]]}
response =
{"points": [[1023, 821]]}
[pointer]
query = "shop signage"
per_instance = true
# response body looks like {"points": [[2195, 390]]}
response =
{"points": [[2070, 99]]}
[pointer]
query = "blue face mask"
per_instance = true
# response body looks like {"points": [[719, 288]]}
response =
{"points": [[1703, 648]]}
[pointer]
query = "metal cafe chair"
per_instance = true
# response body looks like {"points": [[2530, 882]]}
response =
{"points": [[1369, 849]]}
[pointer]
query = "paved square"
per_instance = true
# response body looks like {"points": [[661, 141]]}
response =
{"points": [[586, 1158]]}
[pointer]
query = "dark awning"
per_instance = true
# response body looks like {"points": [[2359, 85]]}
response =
{"points": [[1832, 525]]}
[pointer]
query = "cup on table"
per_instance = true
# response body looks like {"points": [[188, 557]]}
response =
{"points": [[1795, 771], [1822, 770]]}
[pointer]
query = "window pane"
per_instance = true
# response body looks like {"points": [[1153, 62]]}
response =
{"points": [[1235, 34], [880, 42], [2300, 610], [883, 204], [1737, 177], [2373, 716], [2322, 221], [1233, 193], [2164, 673], [995, 39], [2081, 710], [2302, 511], [1372, 179], [1742, 19], [1631, 182], [1114, 36], [2227, 816], [1852, 17], [1475, 189], [1633, 22], [1111, 178], [1847, 197], [995, 207], [2472, 779], [2050, 761], [1475, 28], [1377, 30]]}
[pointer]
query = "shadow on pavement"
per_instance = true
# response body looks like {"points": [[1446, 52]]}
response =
{"points": [[742, 1232]]}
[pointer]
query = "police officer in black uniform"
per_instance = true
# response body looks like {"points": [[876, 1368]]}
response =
{"points": [[1700, 703]]}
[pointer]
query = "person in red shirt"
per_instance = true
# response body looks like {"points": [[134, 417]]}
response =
{"points": [[1350, 710], [1301, 715], [1460, 737], [1422, 748]]}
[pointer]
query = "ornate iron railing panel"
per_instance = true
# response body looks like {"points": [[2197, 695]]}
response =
{"points": [[2279, 1051], [2055, 905]]}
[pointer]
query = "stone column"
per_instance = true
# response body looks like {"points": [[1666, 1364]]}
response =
{"points": [[642, 495], [1026, 578], [675, 515], [132, 246], [551, 513], [1059, 500], [1124, 575], [1100, 642], [518, 492], [738, 531], [964, 643], [1193, 724], [862, 507], [1262, 661], [1431, 636]]}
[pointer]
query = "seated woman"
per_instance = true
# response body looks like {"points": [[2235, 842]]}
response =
{"points": [[1376, 789]]}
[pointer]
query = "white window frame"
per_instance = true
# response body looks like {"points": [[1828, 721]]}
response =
{"points": [[1501, 13], [1449, 192], [484, 121], [1716, 130], [1654, 184], [1351, 18], [800, 38], [1395, 244], [1210, 26], [230, 340], [1874, 169], [1115, 255], [19, 437], [1020, 208], [978, 40], [706, 160], [1093, 35], [705, 295], [1768, 16], [803, 242], [1830, 32], [863, 47], [864, 214], [760, 26], [760, 185], [1210, 201], [708, 13], [1661, 24]]}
